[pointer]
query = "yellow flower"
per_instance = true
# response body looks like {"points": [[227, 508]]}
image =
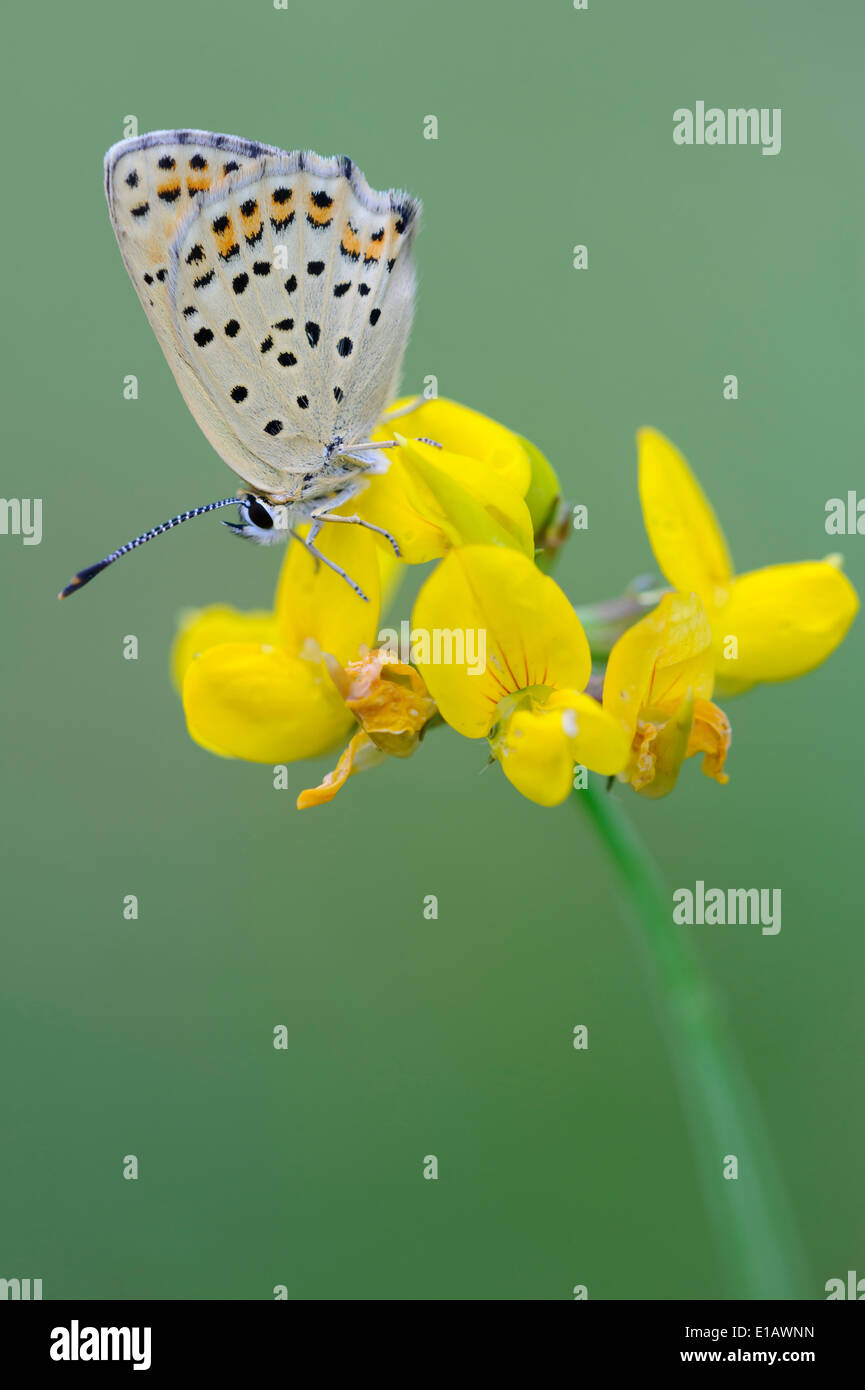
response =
{"points": [[264, 686], [392, 706], [471, 490], [256, 685], [526, 696], [771, 624], [658, 683]]}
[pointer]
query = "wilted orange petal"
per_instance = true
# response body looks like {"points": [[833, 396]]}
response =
{"points": [[387, 698], [360, 754], [712, 736]]}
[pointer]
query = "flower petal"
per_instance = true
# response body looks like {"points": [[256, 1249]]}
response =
{"points": [[536, 756], [360, 755], [711, 736], [210, 627], [388, 699], [463, 431], [786, 620], [391, 573], [245, 700], [431, 499], [530, 633], [656, 662], [598, 740], [312, 602], [385, 502], [658, 751], [684, 533], [465, 498]]}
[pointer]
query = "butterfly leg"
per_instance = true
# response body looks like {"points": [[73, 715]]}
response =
{"points": [[320, 558], [364, 452], [368, 526]]}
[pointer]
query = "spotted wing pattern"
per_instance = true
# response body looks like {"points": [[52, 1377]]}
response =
{"points": [[280, 287]]}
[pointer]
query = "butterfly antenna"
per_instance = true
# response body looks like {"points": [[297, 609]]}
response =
{"points": [[84, 576]]}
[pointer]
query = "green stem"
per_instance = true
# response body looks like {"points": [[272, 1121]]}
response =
{"points": [[753, 1227]]}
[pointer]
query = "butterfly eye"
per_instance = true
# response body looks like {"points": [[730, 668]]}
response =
{"points": [[258, 515]]}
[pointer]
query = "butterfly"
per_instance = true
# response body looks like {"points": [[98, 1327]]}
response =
{"points": [[281, 289]]}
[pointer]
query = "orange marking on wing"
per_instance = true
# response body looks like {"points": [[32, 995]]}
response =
{"points": [[251, 223], [320, 216], [198, 182], [225, 239], [172, 186], [281, 210], [350, 241]]}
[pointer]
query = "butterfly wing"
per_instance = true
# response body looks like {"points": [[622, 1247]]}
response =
{"points": [[266, 287], [150, 183], [292, 289]]}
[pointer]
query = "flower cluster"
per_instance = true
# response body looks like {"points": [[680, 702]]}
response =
{"points": [[626, 692]]}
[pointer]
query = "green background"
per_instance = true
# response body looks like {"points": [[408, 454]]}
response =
{"points": [[409, 1037]]}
